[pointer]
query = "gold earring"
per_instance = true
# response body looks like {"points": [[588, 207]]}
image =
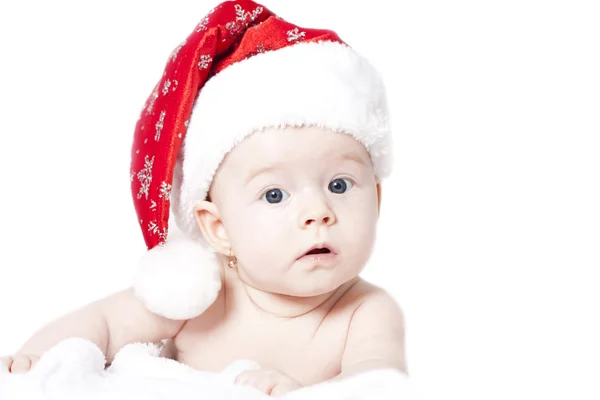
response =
{"points": [[232, 260]]}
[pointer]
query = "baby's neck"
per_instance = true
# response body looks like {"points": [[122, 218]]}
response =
{"points": [[278, 305]]}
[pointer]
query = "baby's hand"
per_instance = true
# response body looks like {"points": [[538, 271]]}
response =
{"points": [[271, 382], [19, 363]]}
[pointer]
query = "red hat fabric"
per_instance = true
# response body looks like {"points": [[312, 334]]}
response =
{"points": [[242, 69]]}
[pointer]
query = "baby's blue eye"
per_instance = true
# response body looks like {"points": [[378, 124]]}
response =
{"points": [[339, 185], [275, 196]]}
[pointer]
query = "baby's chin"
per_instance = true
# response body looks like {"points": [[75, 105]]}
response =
{"points": [[310, 287]]}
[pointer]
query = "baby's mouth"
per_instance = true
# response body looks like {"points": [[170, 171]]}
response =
{"points": [[318, 251]]}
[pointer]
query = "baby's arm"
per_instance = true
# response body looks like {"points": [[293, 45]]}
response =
{"points": [[110, 323], [375, 337]]}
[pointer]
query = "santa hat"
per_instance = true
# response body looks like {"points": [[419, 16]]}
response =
{"points": [[241, 70]]}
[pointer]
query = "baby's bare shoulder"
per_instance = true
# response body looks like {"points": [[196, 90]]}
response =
{"points": [[373, 309], [364, 294]]}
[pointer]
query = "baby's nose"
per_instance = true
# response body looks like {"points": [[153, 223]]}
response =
{"points": [[324, 220], [319, 216]]}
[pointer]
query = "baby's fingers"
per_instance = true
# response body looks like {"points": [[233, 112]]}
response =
{"points": [[22, 363]]}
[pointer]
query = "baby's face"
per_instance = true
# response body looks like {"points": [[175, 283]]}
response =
{"points": [[282, 191]]}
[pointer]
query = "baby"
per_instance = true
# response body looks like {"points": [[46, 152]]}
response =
{"points": [[268, 142]]}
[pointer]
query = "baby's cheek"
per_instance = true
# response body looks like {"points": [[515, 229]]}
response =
{"points": [[359, 235], [259, 238]]}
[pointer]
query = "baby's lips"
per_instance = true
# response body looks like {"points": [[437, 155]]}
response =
{"points": [[320, 245]]}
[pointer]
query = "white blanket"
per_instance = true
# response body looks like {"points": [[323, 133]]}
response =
{"points": [[74, 369]]}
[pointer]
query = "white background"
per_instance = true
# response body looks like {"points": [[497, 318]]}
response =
{"points": [[490, 229]]}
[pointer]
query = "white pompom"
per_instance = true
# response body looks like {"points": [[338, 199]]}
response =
{"points": [[178, 280]]}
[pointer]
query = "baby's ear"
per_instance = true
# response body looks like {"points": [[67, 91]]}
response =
{"points": [[209, 221]]}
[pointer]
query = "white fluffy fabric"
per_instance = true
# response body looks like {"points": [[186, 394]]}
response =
{"points": [[178, 280], [74, 369], [325, 84]]}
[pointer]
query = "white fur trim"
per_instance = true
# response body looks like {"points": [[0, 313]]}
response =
{"points": [[325, 84], [178, 280]]}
